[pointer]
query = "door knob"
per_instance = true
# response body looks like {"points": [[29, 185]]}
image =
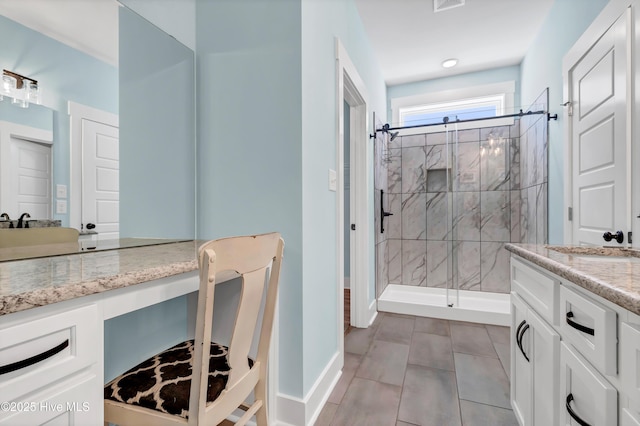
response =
{"points": [[91, 225], [618, 236]]}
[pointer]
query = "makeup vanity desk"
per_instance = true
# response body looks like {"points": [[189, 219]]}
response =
{"points": [[52, 313]]}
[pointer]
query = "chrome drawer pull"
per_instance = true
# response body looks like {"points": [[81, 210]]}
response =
{"points": [[577, 326], [573, 414], [34, 359]]}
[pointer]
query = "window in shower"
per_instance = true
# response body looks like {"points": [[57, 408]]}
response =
{"points": [[466, 103], [464, 109]]}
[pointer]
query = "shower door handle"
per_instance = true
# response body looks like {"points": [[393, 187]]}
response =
{"points": [[383, 214]]}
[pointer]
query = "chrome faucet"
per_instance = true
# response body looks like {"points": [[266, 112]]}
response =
{"points": [[22, 218]]}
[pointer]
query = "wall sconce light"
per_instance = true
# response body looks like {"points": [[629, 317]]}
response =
{"points": [[22, 90]]}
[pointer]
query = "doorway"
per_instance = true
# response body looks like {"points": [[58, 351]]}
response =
{"points": [[356, 230], [94, 186], [347, 216]]}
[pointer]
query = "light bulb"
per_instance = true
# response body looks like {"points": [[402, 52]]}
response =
{"points": [[8, 85]]}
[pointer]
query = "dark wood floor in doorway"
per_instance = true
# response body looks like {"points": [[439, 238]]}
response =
{"points": [[347, 311]]}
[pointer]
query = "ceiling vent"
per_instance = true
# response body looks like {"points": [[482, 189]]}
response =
{"points": [[440, 5]]}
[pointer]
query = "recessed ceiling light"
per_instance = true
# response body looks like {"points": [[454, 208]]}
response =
{"points": [[450, 63]]}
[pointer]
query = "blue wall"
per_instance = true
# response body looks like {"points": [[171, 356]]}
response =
{"points": [[266, 140], [322, 21], [542, 68], [64, 74], [249, 141]]}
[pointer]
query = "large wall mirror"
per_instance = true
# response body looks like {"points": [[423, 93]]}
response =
{"points": [[115, 131]]}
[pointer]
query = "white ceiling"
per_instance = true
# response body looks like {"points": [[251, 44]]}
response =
{"points": [[411, 41], [90, 26]]}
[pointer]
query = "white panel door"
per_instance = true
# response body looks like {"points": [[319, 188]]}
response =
{"points": [[545, 358], [599, 141], [30, 178], [100, 179], [521, 370]]}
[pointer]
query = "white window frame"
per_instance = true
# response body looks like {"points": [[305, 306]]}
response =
{"points": [[448, 98]]}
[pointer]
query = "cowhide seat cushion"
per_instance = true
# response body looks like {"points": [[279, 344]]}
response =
{"points": [[163, 381]]}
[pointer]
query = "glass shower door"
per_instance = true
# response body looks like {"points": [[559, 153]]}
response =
{"points": [[452, 295]]}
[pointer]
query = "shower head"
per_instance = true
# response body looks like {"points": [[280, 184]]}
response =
{"points": [[387, 129]]}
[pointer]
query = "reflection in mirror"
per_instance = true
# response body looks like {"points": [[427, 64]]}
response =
{"points": [[154, 103], [25, 181], [51, 42], [157, 138]]}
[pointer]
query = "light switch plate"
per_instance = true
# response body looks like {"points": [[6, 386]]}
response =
{"points": [[61, 191], [333, 180], [61, 206]]}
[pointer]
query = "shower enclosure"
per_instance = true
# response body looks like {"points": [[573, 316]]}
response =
{"points": [[456, 198]]}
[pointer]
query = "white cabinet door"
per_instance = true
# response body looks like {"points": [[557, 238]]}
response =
{"points": [[584, 393], [630, 362], [599, 139], [521, 371], [545, 358]]}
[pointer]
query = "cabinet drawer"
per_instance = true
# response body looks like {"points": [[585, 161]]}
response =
{"points": [[540, 291], [630, 362], [591, 328], [36, 353], [72, 402], [584, 393]]}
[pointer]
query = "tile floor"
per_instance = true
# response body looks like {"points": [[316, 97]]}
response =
{"points": [[406, 370]]}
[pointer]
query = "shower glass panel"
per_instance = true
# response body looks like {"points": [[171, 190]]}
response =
{"points": [[451, 154], [458, 194]]}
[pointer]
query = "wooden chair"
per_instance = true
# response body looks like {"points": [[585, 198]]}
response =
{"points": [[163, 391]]}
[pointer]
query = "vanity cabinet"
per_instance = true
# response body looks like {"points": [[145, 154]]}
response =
{"points": [[49, 368], [575, 357], [535, 349]]}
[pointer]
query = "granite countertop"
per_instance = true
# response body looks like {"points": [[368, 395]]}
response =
{"points": [[616, 279], [30, 283]]}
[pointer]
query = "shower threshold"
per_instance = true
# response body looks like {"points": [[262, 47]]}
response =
{"points": [[474, 306]]}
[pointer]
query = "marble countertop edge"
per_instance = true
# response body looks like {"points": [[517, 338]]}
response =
{"points": [[626, 298]]}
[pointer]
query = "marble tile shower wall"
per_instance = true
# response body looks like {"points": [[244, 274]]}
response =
{"points": [[454, 204], [534, 171]]}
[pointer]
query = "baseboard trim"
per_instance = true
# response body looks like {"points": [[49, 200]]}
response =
{"points": [[373, 311], [293, 411]]}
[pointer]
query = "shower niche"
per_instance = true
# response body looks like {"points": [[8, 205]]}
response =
{"points": [[458, 197]]}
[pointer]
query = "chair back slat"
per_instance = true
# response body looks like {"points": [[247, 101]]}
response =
{"points": [[253, 284]]}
